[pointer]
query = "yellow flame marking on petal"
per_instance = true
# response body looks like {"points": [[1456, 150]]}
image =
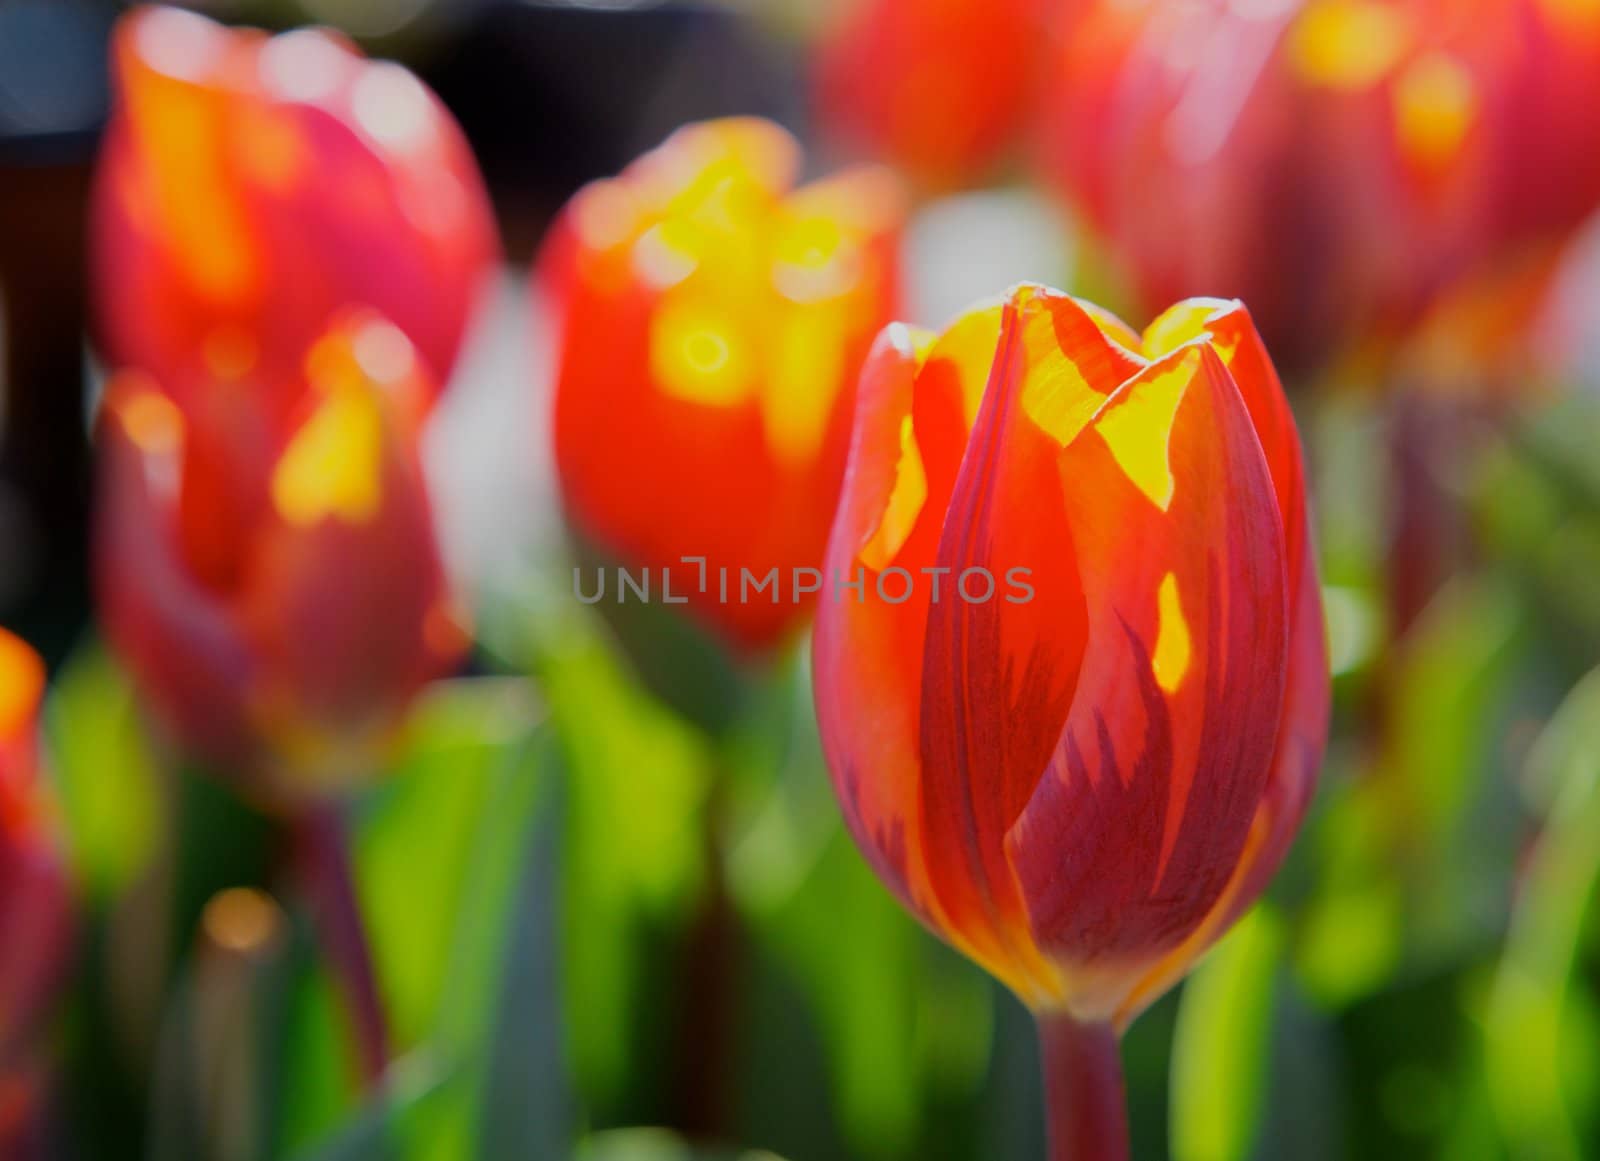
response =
{"points": [[21, 684], [1347, 44], [198, 215], [806, 370], [900, 514], [1057, 397], [332, 467], [1138, 429], [1179, 324], [813, 260], [969, 345], [697, 355], [1170, 661], [1435, 106]]}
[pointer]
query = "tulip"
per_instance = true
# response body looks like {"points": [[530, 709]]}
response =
{"points": [[1349, 167], [252, 188], [711, 322], [942, 88], [1082, 777], [35, 909], [276, 593]]}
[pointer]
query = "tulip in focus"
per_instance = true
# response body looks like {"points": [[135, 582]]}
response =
{"points": [[1351, 168], [35, 909], [941, 88], [712, 320], [276, 593], [252, 188], [1083, 788]]}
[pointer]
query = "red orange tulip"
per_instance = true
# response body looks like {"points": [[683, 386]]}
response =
{"points": [[276, 593], [1343, 165], [940, 87], [252, 188], [1081, 785], [712, 319], [35, 914]]}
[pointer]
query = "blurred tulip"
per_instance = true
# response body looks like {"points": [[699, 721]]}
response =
{"points": [[252, 188], [1081, 785], [277, 594], [939, 87], [712, 320], [35, 909], [1346, 166]]}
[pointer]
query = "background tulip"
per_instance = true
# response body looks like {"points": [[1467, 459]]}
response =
{"points": [[711, 321], [1080, 789], [278, 595], [251, 188], [1346, 166], [942, 88], [35, 916]]}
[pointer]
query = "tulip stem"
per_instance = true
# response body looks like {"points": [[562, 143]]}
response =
{"points": [[336, 914], [1085, 1109]]}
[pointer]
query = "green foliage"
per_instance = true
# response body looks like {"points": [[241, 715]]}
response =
{"points": [[106, 772], [1221, 1046], [1541, 1028]]}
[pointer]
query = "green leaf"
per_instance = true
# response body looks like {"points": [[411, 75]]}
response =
{"points": [[1540, 1054], [453, 884], [318, 1091], [415, 1090], [443, 864], [1222, 1044], [418, 838], [106, 772], [861, 963], [1410, 849], [657, 1145], [636, 792]]}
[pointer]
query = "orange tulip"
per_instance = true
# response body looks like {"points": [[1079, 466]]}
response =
{"points": [[712, 320], [1082, 777], [35, 910], [252, 188], [1346, 166], [939, 87], [276, 593]]}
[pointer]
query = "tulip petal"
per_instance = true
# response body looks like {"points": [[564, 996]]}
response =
{"points": [[172, 630], [1134, 832], [915, 406], [860, 675], [1303, 729], [348, 503], [1001, 664]]}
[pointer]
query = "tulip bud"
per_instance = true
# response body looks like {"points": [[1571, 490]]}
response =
{"points": [[251, 188], [276, 593], [35, 907], [711, 323], [941, 88], [1345, 166], [1082, 746]]}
